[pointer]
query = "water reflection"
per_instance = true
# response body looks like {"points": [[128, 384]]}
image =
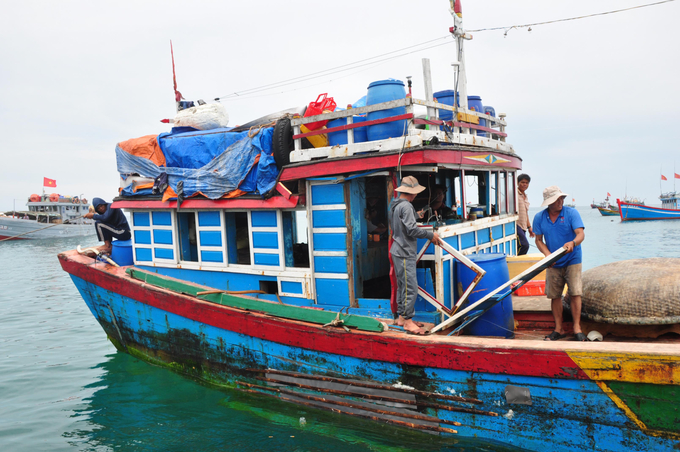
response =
{"points": [[137, 406]]}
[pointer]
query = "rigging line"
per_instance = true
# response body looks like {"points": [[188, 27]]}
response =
{"points": [[252, 96], [569, 18], [319, 73]]}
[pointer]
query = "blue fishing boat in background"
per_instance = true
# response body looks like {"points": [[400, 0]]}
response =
{"points": [[669, 210]]}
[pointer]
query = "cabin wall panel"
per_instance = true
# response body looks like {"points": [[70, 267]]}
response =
{"points": [[330, 242], [328, 219], [483, 236], [324, 194], [142, 237], [332, 291], [467, 240], [330, 264], [497, 232]]}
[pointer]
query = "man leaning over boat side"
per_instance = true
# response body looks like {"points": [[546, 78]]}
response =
{"points": [[109, 223], [405, 233], [561, 227], [523, 224]]}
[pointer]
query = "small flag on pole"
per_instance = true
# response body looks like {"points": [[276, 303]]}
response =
{"points": [[663, 177], [608, 194], [677, 176], [49, 182]]}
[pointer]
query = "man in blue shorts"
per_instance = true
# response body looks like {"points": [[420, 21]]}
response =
{"points": [[556, 227]]}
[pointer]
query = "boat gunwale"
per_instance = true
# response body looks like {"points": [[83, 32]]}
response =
{"points": [[71, 259]]}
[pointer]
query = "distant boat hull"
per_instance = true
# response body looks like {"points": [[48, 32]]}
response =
{"points": [[639, 212], [608, 212], [18, 229]]}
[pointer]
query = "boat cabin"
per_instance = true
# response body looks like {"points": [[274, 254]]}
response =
{"points": [[321, 239]]}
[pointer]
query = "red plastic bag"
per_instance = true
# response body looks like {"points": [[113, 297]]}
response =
{"points": [[323, 102]]}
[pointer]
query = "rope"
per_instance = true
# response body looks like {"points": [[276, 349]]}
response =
{"points": [[507, 29], [41, 229]]}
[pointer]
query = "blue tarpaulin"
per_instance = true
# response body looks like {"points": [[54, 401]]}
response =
{"points": [[213, 162]]}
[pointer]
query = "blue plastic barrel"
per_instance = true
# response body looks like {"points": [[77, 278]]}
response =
{"points": [[497, 321], [446, 97], [340, 138], [385, 91], [475, 103], [121, 252]]}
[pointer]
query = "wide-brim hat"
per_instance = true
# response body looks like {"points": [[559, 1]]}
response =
{"points": [[410, 184], [552, 194]]}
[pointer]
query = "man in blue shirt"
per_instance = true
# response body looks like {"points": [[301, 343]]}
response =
{"points": [[557, 227]]}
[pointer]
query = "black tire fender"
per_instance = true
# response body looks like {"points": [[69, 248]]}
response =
{"points": [[282, 142]]}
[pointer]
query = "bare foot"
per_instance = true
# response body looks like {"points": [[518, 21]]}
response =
{"points": [[413, 328], [105, 249], [400, 321]]}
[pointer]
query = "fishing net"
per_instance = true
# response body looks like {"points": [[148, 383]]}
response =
{"points": [[634, 292]]}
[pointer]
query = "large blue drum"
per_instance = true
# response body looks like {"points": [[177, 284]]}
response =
{"points": [[475, 103], [385, 91], [335, 138], [497, 321], [446, 97], [121, 252]]}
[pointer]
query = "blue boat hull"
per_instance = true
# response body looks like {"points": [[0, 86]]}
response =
{"points": [[637, 212], [564, 414]]}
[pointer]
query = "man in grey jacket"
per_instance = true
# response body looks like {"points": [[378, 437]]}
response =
{"points": [[405, 233]]}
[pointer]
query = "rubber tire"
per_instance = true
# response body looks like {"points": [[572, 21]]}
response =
{"points": [[282, 142]]}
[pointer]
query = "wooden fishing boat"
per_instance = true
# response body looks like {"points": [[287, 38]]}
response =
{"points": [[47, 217], [669, 210], [606, 212], [285, 296]]}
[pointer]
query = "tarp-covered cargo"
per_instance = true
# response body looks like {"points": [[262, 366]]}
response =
{"points": [[215, 163]]}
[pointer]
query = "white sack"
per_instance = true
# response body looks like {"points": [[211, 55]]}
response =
{"points": [[202, 117]]}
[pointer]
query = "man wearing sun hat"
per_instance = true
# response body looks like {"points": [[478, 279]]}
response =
{"points": [[556, 227], [405, 233]]}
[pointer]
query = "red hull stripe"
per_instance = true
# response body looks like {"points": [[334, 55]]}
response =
{"points": [[389, 347], [382, 161]]}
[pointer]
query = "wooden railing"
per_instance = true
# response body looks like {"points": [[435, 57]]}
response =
{"points": [[466, 121]]}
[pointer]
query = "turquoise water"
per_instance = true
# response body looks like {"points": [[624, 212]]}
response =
{"points": [[63, 386]]}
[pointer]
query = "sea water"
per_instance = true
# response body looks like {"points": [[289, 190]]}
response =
{"points": [[64, 387]]}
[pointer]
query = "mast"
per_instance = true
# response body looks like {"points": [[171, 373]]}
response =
{"points": [[459, 34]]}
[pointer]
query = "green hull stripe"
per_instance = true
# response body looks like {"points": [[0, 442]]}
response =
{"points": [[655, 405], [278, 310]]}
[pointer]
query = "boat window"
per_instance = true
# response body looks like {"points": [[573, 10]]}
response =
{"points": [[238, 237], [493, 193], [295, 239], [511, 192], [502, 191], [186, 228]]}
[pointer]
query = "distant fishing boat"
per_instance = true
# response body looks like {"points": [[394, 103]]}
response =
{"points": [[669, 210], [603, 204], [48, 216], [605, 212], [572, 204]]}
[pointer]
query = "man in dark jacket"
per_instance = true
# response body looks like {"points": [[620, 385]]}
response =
{"points": [[405, 233], [110, 223]]}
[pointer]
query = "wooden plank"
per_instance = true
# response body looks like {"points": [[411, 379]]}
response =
{"points": [[250, 304]]}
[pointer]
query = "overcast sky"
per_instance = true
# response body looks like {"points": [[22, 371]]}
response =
{"points": [[592, 104]]}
